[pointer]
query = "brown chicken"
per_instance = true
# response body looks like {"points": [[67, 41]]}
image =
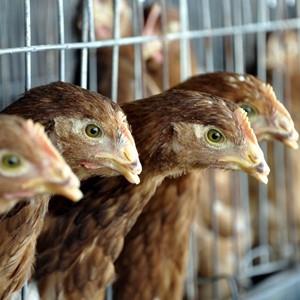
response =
{"points": [[81, 263], [283, 57], [152, 53], [30, 168], [89, 130], [92, 134], [157, 245]]}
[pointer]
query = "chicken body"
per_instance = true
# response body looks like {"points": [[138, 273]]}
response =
{"points": [[92, 134], [164, 265], [80, 264], [30, 170]]}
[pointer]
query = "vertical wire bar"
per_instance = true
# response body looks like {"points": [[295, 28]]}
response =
{"points": [[61, 37], [209, 62], [27, 43], [291, 185], [115, 61], [164, 18], [241, 178], [228, 39], [279, 174], [138, 23], [84, 51], [238, 39], [93, 82], [209, 58], [200, 41], [215, 228], [184, 43], [109, 293], [24, 290], [263, 192], [191, 287], [244, 192]]}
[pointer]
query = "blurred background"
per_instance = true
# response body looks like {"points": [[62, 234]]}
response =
{"points": [[245, 240]]}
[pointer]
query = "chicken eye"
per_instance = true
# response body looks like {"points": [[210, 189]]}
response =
{"points": [[250, 110], [215, 136], [11, 161], [93, 131]]}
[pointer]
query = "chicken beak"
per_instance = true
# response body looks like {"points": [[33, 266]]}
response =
{"points": [[125, 162], [291, 139], [129, 171], [133, 166], [59, 180], [252, 162], [66, 185]]}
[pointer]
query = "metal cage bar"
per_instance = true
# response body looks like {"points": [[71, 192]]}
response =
{"points": [[28, 44], [269, 26], [62, 58]]}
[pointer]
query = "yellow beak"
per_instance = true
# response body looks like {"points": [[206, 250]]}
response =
{"points": [[57, 180], [252, 162], [126, 162]]}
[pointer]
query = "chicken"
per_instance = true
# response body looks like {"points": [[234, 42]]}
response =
{"points": [[92, 134], [103, 19], [157, 245], [82, 260], [126, 71], [90, 131], [30, 168], [153, 52], [152, 57], [283, 56]]}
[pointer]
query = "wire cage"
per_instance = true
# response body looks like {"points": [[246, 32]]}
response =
{"points": [[44, 41]]}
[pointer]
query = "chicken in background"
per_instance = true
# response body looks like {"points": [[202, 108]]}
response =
{"points": [[154, 56], [92, 134], [30, 170], [283, 56], [152, 52], [82, 264], [270, 121], [171, 211]]}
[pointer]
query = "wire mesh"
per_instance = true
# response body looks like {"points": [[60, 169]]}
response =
{"points": [[39, 43]]}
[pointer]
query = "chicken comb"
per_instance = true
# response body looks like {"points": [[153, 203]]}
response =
{"points": [[37, 132], [268, 89], [245, 125], [151, 21]]}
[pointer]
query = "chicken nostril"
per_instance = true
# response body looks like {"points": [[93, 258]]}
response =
{"points": [[136, 165], [127, 155], [260, 168]]}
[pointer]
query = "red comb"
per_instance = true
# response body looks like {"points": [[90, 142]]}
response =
{"points": [[152, 20], [241, 115], [37, 132]]}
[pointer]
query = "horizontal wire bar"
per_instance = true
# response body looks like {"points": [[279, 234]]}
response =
{"points": [[265, 268], [233, 30]]}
